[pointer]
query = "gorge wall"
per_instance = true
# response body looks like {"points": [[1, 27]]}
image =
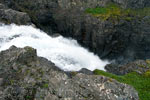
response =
{"points": [[114, 29], [121, 40]]}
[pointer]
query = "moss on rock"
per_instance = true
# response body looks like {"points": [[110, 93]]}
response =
{"points": [[139, 82], [115, 12], [147, 74]]}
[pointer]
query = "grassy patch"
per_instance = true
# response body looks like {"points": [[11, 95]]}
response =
{"points": [[45, 85], [140, 12], [140, 82], [110, 11], [115, 12], [95, 11], [28, 97]]}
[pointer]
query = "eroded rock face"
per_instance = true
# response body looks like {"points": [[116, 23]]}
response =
{"points": [[123, 40], [139, 66], [133, 3], [81, 4], [40, 12], [9, 16], [25, 76]]}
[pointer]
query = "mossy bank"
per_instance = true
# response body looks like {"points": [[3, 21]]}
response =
{"points": [[113, 11], [138, 81]]}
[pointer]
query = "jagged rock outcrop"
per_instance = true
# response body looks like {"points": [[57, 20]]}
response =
{"points": [[40, 12], [123, 40], [25, 76], [9, 16], [139, 66]]}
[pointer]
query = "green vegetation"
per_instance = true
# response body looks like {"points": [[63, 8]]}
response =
{"points": [[45, 85], [28, 97], [148, 63], [145, 66], [95, 11], [29, 49], [104, 13], [115, 12], [73, 73], [147, 74], [140, 82]]}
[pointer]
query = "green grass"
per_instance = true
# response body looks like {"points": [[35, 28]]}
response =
{"points": [[140, 12], [140, 82], [115, 12], [45, 85], [110, 11], [28, 97], [99, 10]]}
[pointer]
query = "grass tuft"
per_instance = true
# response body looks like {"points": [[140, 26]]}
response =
{"points": [[115, 12]]}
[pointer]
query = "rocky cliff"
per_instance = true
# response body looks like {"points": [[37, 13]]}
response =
{"points": [[114, 29], [9, 16], [25, 76], [125, 39]]}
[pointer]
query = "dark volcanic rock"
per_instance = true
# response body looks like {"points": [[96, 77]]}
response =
{"points": [[39, 11], [24, 76], [122, 40], [9, 16], [42, 12], [133, 3], [85, 71], [139, 66]]}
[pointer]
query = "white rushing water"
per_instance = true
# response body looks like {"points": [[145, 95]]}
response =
{"points": [[67, 54]]}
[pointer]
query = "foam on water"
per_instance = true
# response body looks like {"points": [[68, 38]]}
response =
{"points": [[67, 54]]}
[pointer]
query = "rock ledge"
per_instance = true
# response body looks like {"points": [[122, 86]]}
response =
{"points": [[25, 76]]}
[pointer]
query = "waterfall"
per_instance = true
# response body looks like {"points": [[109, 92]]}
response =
{"points": [[65, 53]]}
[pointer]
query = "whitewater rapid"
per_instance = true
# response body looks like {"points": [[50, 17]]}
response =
{"points": [[67, 54]]}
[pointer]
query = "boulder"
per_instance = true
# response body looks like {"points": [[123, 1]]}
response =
{"points": [[9, 16], [139, 66], [25, 76]]}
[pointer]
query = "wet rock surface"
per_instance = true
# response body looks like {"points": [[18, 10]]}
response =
{"points": [[25, 76], [124, 40]]}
